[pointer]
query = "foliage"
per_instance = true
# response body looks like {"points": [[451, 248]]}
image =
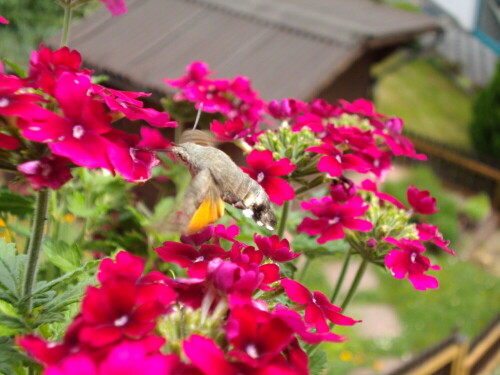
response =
{"points": [[187, 295], [485, 124], [431, 105], [447, 216]]}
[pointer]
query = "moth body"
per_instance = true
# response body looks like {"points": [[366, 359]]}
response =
{"points": [[216, 176]]}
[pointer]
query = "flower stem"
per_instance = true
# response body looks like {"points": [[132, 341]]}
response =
{"points": [[284, 218], [355, 284], [35, 244], [341, 278], [68, 9], [304, 269]]}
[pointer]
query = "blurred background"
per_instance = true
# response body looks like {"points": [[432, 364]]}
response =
{"points": [[433, 63]]}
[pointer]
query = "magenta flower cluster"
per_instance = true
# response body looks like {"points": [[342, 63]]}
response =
{"points": [[57, 105], [118, 330]]}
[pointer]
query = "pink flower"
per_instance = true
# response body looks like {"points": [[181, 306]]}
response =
{"points": [[126, 102], [83, 124], [131, 358], [361, 107], [274, 249], [196, 73], [334, 162], [125, 266], [15, 103], [186, 256], [228, 233], [421, 201], [342, 189], [231, 130], [121, 309], [116, 7], [428, 232], [409, 262], [400, 145], [48, 172], [9, 142], [353, 137], [207, 357], [77, 364], [285, 109], [369, 185], [3, 20], [134, 165], [318, 308], [257, 337], [45, 352], [46, 66], [266, 171], [333, 217]]}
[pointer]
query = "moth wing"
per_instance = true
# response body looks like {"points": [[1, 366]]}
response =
{"points": [[209, 211], [202, 204], [198, 137]]}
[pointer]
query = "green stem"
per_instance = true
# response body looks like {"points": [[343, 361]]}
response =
{"points": [[68, 9], [284, 218], [341, 278], [35, 244], [304, 269], [178, 132], [355, 283]]}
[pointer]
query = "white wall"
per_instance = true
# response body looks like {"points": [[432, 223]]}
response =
{"points": [[463, 11]]}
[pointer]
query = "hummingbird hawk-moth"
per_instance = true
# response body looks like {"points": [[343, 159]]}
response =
{"points": [[217, 179]]}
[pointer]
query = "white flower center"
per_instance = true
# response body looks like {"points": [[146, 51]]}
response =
{"points": [[260, 177], [413, 257], [78, 131], [252, 351], [335, 220], [120, 322], [4, 102]]}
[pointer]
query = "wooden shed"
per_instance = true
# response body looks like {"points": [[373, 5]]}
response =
{"points": [[289, 48]]}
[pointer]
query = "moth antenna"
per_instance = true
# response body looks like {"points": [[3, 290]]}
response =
{"points": [[198, 115], [153, 149]]}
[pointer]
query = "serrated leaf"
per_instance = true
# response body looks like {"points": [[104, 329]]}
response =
{"points": [[65, 256], [79, 205], [15, 204], [318, 362], [11, 271], [43, 286], [9, 310], [15, 68], [71, 295], [310, 247], [12, 322], [10, 357]]}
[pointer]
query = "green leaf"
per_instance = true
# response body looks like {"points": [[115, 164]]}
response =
{"points": [[80, 205], [69, 296], [43, 286], [11, 271], [65, 256], [15, 204], [8, 310], [318, 362], [11, 358], [15, 68], [310, 247], [12, 322]]}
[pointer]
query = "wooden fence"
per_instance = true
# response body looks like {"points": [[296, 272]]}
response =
{"points": [[459, 356], [460, 169]]}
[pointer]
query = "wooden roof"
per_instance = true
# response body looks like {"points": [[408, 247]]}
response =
{"points": [[289, 48]]}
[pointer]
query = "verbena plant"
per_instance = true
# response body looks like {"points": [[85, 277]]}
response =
{"points": [[94, 285]]}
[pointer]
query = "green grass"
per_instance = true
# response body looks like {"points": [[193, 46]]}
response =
{"points": [[467, 300], [429, 103]]}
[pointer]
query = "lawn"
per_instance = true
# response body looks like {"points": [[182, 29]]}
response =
{"points": [[430, 104], [467, 300]]}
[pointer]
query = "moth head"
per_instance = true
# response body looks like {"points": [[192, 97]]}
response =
{"points": [[181, 154]]}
